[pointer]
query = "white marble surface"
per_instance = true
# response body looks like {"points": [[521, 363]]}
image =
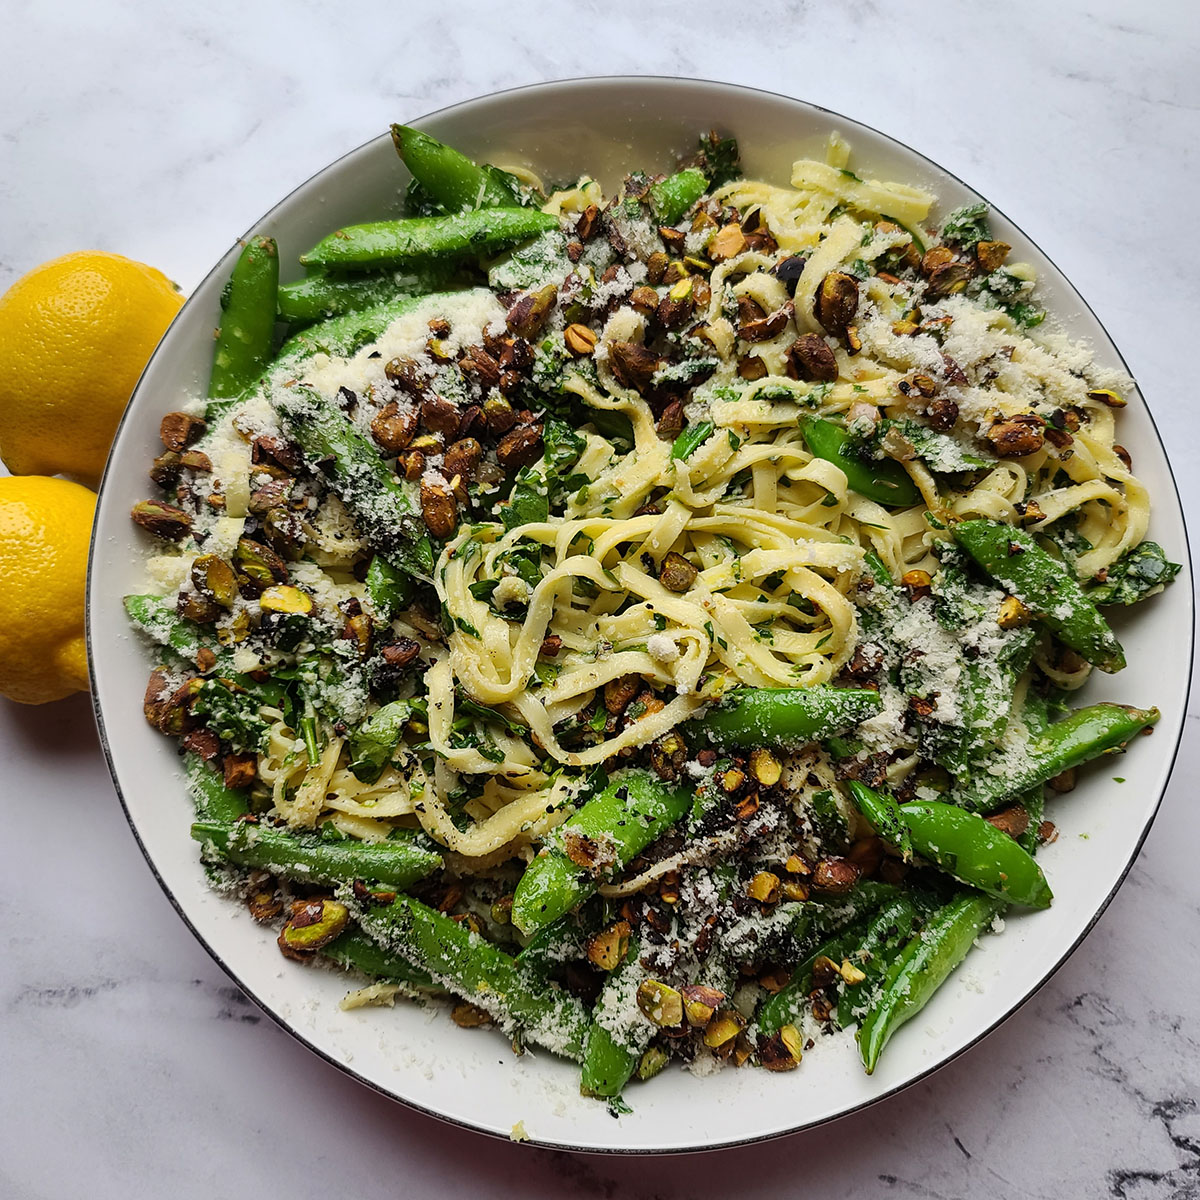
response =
{"points": [[129, 1066]]}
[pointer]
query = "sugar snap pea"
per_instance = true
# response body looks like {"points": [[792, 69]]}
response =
{"points": [[247, 330], [632, 811], [480, 972], [829, 928], [921, 968], [1079, 737], [353, 950], [961, 843], [882, 480], [889, 929], [397, 862], [321, 295], [608, 1059], [383, 507], [417, 240], [783, 717], [214, 801], [1013, 558], [450, 178], [673, 196]]}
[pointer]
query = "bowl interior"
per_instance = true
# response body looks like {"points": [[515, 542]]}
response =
{"points": [[606, 127]]}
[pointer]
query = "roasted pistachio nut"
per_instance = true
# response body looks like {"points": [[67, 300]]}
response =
{"points": [[264, 903], [312, 925], [700, 1002], [196, 606], [1015, 437], [580, 340], [660, 1003], [1013, 820], [632, 364], [668, 754], [163, 520], [620, 691], [609, 948], [918, 584], [214, 578], [1013, 614], [528, 316], [406, 374], [283, 598], [165, 469], [835, 876], [235, 628], [499, 415], [810, 358], [991, 255], [393, 426], [947, 279], [764, 887], [270, 495], [652, 1062], [836, 302], [768, 326], [727, 242], [439, 508], [677, 574], [723, 1028], [851, 973], [519, 447], [258, 565], [477, 364], [783, 1050], [765, 767], [469, 1016], [178, 430], [462, 458]]}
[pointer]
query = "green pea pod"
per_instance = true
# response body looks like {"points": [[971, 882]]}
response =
{"points": [[320, 295], [921, 968], [467, 965], [1013, 558], [673, 196], [247, 331], [826, 925], [449, 177], [416, 240], [885, 816], [338, 336], [631, 812], [395, 863], [960, 843], [1082, 735], [384, 509], [352, 950], [214, 801], [787, 1006], [158, 619], [782, 717], [887, 931], [609, 1059], [882, 480]]}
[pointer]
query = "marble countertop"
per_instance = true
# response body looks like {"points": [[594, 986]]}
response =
{"points": [[131, 1067]]}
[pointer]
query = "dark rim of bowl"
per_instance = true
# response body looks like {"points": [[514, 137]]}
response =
{"points": [[285, 1025]]}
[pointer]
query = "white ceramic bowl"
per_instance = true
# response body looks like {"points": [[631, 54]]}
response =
{"points": [[605, 127]]}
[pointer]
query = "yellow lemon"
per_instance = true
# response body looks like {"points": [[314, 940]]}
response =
{"points": [[45, 526], [75, 334]]}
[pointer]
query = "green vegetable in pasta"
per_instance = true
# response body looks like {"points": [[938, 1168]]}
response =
{"points": [[1140, 573], [614, 825], [450, 178], [882, 480], [1083, 735], [922, 967], [782, 717], [1013, 558], [960, 843], [481, 973], [247, 331], [398, 862], [419, 239], [673, 196]]}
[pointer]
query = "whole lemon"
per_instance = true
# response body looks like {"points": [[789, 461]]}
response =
{"points": [[45, 526], [75, 334]]}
